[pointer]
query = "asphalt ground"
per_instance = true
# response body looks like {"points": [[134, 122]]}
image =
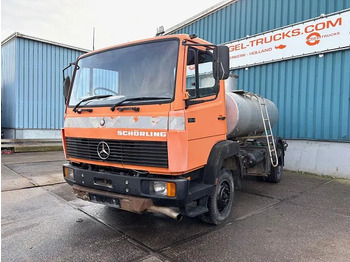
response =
{"points": [[303, 218]]}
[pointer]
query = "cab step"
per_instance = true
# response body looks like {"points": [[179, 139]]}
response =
{"points": [[194, 212], [195, 208], [197, 191]]}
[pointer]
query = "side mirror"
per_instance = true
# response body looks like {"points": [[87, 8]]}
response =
{"points": [[221, 63], [66, 84]]}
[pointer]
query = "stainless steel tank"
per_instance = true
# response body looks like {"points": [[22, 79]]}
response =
{"points": [[244, 116]]}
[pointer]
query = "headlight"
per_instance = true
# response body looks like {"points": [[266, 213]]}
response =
{"points": [[68, 173], [158, 188], [161, 188]]}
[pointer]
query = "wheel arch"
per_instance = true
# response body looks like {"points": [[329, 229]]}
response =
{"points": [[280, 142], [221, 155]]}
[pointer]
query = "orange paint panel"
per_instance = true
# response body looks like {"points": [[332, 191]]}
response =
{"points": [[206, 115], [64, 143], [206, 121], [177, 151], [199, 150], [179, 102], [112, 133], [181, 37]]}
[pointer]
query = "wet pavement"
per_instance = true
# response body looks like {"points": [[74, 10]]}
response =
{"points": [[303, 218]]}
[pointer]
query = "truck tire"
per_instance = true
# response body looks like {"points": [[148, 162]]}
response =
{"points": [[220, 203], [276, 172]]}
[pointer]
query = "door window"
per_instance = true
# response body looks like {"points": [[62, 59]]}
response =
{"points": [[200, 81]]}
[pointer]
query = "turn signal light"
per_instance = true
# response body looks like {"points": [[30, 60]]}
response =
{"points": [[171, 189], [68, 173]]}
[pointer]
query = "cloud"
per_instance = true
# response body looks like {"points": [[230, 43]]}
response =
{"points": [[71, 21]]}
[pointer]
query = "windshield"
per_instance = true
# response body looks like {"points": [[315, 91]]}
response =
{"points": [[143, 70]]}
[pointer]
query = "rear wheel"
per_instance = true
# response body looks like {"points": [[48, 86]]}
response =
{"points": [[276, 172], [220, 203]]}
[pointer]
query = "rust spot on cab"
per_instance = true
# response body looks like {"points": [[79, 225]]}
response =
{"points": [[136, 118], [155, 120]]}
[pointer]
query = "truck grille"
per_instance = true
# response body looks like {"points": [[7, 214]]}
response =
{"points": [[140, 153]]}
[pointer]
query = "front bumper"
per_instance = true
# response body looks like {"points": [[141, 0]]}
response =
{"points": [[133, 186]]}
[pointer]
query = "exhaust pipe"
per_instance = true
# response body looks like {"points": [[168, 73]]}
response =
{"points": [[166, 211]]}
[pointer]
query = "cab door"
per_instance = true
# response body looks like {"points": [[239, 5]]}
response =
{"points": [[205, 110]]}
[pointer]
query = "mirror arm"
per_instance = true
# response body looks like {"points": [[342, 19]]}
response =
{"points": [[64, 69]]}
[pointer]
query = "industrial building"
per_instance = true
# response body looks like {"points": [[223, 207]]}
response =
{"points": [[293, 52], [32, 103], [309, 80]]}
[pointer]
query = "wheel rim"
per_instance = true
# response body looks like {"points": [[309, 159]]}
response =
{"points": [[223, 196]]}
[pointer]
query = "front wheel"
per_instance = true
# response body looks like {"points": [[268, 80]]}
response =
{"points": [[220, 203]]}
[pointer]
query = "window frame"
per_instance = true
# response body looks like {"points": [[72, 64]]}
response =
{"points": [[199, 99], [151, 102]]}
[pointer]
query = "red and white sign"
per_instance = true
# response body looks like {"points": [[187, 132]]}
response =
{"points": [[323, 34]]}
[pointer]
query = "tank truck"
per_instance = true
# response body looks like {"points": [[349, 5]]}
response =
{"points": [[150, 127]]}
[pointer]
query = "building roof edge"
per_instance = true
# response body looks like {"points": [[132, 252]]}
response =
{"points": [[19, 35]]}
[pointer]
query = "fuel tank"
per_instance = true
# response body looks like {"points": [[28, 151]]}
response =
{"points": [[244, 116]]}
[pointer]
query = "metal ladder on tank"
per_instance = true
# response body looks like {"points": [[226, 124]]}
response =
{"points": [[268, 131]]}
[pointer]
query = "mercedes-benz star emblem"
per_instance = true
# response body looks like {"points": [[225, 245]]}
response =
{"points": [[103, 150]]}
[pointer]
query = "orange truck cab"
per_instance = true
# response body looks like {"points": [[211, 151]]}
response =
{"points": [[145, 130]]}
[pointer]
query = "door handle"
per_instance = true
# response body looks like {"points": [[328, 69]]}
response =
{"points": [[221, 117], [191, 120]]}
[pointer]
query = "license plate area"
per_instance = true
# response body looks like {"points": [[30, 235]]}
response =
{"points": [[103, 182], [105, 200]]}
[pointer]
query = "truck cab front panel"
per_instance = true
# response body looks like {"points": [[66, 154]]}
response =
{"points": [[138, 141], [139, 122]]}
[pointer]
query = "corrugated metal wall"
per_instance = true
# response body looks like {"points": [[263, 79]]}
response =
{"points": [[312, 93], [8, 84], [38, 84], [250, 17]]}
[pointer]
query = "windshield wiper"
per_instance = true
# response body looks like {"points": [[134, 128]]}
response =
{"points": [[88, 99], [137, 99]]}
